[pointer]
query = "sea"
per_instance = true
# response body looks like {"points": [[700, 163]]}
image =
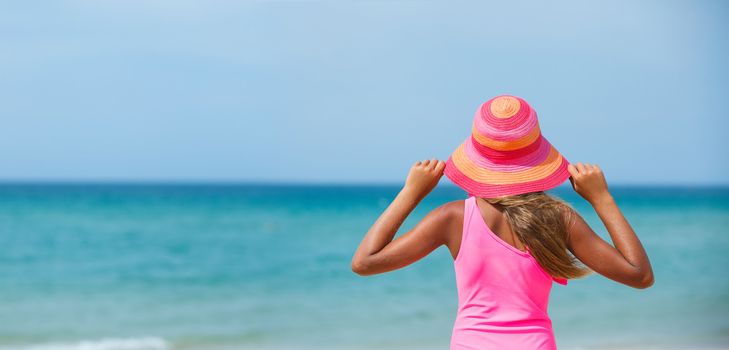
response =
{"points": [[163, 266]]}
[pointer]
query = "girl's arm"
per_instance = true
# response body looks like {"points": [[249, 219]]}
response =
{"points": [[377, 253], [627, 262]]}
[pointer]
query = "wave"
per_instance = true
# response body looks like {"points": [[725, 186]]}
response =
{"points": [[147, 343]]}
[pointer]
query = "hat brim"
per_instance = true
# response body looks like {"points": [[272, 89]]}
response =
{"points": [[472, 173]]}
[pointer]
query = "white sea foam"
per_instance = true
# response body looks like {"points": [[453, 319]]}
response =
{"points": [[147, 343]]}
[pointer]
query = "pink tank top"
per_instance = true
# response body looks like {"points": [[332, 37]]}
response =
{"points": [[503, 293]]}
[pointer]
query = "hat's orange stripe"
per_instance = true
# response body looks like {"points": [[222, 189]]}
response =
{"points": [[487, 176], [506, 145]]}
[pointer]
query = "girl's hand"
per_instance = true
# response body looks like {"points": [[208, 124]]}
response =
{"points": [[588, 181], [424, 176]]}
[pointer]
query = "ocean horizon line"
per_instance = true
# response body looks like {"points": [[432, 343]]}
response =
{"points": [[302, 183]]}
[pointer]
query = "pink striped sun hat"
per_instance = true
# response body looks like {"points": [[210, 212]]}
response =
{"points": [[506, 153]]}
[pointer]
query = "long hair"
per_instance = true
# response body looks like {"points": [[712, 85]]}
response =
{"points": [[541, 222]]}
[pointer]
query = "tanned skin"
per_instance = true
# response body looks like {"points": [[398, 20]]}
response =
{"points": [[626, 262]]}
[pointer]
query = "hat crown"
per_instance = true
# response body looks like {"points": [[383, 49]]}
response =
{"points": [[506, 123], [504, 106]]}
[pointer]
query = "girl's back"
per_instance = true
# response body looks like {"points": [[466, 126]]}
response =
{"points": [[503, 292]]}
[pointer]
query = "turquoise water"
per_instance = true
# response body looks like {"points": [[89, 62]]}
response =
{"points": [[267, 267]]}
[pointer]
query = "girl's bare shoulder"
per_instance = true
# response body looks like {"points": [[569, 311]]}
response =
{"points": [[448, 216], [452, 214], [453, 209]]}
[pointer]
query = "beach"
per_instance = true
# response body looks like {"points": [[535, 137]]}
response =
{"points": [[267, 266]]}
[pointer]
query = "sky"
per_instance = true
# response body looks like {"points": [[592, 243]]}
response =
{"points": [[355, 91]]}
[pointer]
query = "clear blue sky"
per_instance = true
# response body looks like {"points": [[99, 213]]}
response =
{"points": [[355, 91]]}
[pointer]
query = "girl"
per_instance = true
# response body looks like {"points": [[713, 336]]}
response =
{"points": [[509, 239]]}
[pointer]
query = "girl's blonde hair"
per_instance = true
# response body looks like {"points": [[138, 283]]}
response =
{"points": [[541, 222]]}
